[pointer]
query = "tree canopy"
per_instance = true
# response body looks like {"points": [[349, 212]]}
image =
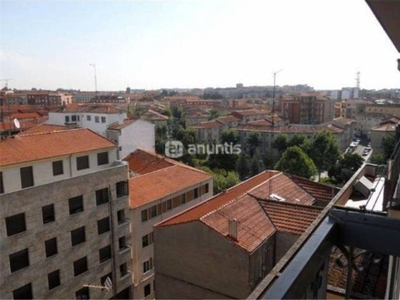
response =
{"points": [[347, 165], [388, 144], [324, 150], [295, 161], [253, 141]]}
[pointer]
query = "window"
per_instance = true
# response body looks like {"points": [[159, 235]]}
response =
{"points": [[144, 215], [103, 225], [54, 279], [147, 265], [96, 119], [196, 193], [101, 196], [83, 293], [183, 198], [78, 236], [66, 119], [102, 158], [19, 260], [153, 211], [51, 247], [80, 266], [1, 183], [147, 239], [122, 189], [75, 205], [26, 177], [103, 278], [82, 162], [48, 213], [207, 188], [169, 204], [15, 224], [147, 289], [121, 216], [58, 168], [122, 243], [103, 119], [88, 118], [73, 118], [105, 254], [24, 292], [123, 269]]}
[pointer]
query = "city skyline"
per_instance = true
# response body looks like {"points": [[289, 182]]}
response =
{"points": [[193, 44]]}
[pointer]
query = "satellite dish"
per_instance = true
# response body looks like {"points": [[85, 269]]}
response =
{"points": [[16, 123]]}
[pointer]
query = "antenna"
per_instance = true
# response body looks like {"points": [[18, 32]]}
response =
{"points": [[6, 80], [95, 78], [273, 100], [358, 80], [17, 124]]}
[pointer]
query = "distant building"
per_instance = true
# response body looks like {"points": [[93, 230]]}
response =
{"points": [[350, 93], [380, 131], [64, 199], [49, 98]]}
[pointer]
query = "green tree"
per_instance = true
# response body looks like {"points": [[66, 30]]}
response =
{"points": [[269, 161], [222, 179], [295, 161], [377, 159], [243, 166], [253, 141], [280, 143], [229, 136], [222, 161], [302, 141], [388, 144], [256, 165], [167, 112], [324, 150], [346, 166], [214, 113]]}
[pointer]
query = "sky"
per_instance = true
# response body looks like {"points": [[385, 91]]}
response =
{"points": [[193, 44]]}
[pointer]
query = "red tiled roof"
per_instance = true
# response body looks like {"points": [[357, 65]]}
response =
{"points": [[317, 190], [390, 127], [41, 128], [152, 186], [20, 116], [285, 187], [227, 119], [209, 124], [153, 115], [250, 112], [254, 226], [143, 162], [89, 108], [200, 210], [30, 147], [301, 129], [290, 217], [117, 126]]}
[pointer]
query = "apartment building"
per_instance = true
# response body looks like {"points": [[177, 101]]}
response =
{"points": [[250, 115], [392, 109], [48, 98], [64, 202], [154, 117], [377, 133], [306, 108], [223, 247], [159, 189], [350, 108], [364, 122]]}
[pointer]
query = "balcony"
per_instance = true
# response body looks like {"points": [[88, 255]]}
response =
{"points": [[354, 252]]}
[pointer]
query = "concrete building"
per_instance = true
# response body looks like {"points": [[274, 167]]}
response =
{"points": [[366, 121], [250, 115], [95, 117], [159, 189], [387, 109], [306, 108], [132, 135], [223, 247], [63, 226], [380, 131], [49, 98], [350, 93], [350, 108], [154, 118]]}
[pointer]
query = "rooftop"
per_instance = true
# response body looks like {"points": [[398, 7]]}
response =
{"points": [[44, 145], [143, 162], [152, 186]]}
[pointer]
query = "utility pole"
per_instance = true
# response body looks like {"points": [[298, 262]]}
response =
{"points": [[273, 98], [95, 79]]}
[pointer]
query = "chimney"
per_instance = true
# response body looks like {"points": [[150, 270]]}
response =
{"points": [[233, 229]]}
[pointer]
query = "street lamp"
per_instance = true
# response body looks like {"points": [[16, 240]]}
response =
{"points": [[95, 78], [273, 97]]}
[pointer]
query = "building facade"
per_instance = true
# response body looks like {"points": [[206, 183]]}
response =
{"points": [[63, 208]]}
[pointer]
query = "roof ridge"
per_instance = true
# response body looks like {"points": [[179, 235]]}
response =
{"points": [[290, 204], [50, 132], [221, 207]]}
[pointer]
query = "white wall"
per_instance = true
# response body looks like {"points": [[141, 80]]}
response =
{"points": [[140, 134]]}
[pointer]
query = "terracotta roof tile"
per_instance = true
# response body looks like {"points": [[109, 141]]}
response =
{"points": [[250, 112], [30, 147], [317, 190], [227, 119], [254, 226], [143, 162], [41, 128], [289, 217], [117, 126], [152, 186], [209, 124], [32, 115], [196, 212], [385, 127], [282, 186]]}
